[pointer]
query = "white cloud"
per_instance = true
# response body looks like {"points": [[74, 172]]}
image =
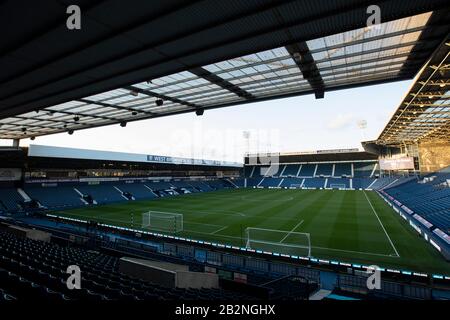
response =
{"points": [[341, 121]]}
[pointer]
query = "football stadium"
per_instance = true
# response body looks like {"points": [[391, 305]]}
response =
{"points": [[88, 224]]}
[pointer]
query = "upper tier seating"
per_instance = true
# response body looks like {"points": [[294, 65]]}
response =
{"points": [[341, 169], [291, 170], [307, 170], [324, 169], [363, 169], [248, 170], [10, 199], [429, 197], [34, 270]]}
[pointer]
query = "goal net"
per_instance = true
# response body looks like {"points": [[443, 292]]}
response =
{"points": [[162, 221], [337, 186], [283, 242]]}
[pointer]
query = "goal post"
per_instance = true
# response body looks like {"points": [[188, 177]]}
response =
{"points": [[276, 241], [338, 186], [163, 221]]}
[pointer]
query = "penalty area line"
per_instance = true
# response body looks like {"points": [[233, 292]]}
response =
{"points": [[221, 229]]}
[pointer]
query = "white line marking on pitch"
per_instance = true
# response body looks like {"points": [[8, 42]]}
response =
{"points": [[223, 228], [358, 252], [296, 226], [382, 226], [312, 247]]}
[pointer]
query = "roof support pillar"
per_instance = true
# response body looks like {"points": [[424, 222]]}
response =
{"points": [[16, 143]]}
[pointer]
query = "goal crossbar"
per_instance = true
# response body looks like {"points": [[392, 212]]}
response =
{"points": [[163, 221]]}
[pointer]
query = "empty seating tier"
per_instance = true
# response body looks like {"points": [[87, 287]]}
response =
{"points": [[34, 270]]}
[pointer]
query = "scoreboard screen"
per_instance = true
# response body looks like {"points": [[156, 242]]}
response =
{"points": [[404, 163]]}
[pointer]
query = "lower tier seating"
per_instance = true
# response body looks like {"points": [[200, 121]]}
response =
{"points": [[428, 196], [35, 270]]}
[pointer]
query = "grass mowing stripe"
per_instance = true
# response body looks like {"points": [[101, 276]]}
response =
{"points": [[382, 226], [287, 235], [319, 210]]}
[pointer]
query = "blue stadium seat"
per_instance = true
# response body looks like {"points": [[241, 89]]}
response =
{"points": [[324, 169], [36, 271], [291, 170], [363, 169], [307, 170], [10, 199], [314, 183], [55, 197], [341, 169], [102, 193], [337, 183], [428, 196]]}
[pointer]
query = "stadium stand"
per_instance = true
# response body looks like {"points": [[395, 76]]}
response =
{"points": [[362, 183], [208, 59], [363, 169], [314, 183], [429, 197], [55, 197], [248, 170], [137, 190], [271, 182], [183, 187], [338, 183], [240, 182], [159, 185], [292, 182], [101, 193], [10, 200], [342, 169], [383, 182], [253, 182], [219, 184], [307, 170], [291, 170], [37, 270], [202, 186], [324, 169]]}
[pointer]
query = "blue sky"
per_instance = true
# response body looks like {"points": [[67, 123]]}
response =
{"points": [[285, 125]]}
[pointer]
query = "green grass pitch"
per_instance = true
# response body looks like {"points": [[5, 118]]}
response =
{"points": [[349, 226]]}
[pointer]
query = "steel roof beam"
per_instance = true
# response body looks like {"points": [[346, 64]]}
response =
{"points": [[104, 104], [162, 96], [212, 78]]}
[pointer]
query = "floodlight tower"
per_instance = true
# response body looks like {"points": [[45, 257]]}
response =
{"points": [[362, 124], [246, 135]]}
